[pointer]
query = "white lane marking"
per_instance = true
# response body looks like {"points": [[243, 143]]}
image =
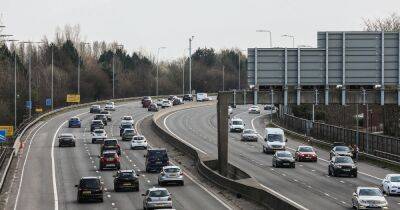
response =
{"points": [[286, 198], [53, 165], [327, 161], [187, 175], [26, 157], [176, 136]]}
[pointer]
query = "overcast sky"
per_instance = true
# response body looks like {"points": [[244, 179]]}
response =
{"points": [[149, 24]]}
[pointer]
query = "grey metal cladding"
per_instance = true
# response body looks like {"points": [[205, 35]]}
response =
{"points": [[363, 62]]}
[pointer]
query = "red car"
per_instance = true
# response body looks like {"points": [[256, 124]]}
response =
{"points": [[305, 153], [146, 103], [110, 160]]}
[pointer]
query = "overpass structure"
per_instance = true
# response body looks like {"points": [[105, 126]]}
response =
{"points": [[346, 67]]}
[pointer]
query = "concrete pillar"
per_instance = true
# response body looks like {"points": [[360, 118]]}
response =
{"points": [[298, 101], [326, 95], [234, 98], [343, 95], [255, 97], [222, 117]]}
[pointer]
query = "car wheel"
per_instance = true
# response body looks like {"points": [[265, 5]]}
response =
{"points": [[294, 165], [73, 145], [333, 173], [329, 171], [79, 199], [137, 189], [101, 200], [116, 189], [355, 175]]}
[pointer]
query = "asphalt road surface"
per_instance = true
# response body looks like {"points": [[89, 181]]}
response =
{"points": [[308, 184], [43, 163]]}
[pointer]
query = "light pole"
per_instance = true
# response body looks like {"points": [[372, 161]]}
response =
{"points": [[113, 69], [268, 32], [158, 54], [289, 36], [190, 64], [239, 57], [82, 45], [223, 78], [52, 76]]}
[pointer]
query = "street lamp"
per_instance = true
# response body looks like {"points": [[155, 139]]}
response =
{"points": [[289, 36], [239, 53], [268, 33], [82, 45], [30, 74], [158, 53], [113, 69], [190, 63]]}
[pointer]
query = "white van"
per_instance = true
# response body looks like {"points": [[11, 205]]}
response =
{"points": [[274, 140], [201, 96], [236, 125]]}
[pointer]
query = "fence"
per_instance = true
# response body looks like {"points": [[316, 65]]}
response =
{"points": [[374, 144]]}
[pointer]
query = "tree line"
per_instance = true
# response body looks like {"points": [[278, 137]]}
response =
{"points": [[135, 73]]}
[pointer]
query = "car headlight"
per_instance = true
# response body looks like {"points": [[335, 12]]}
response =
{"points": [[338, 166], [354, 166], [364, 202]]}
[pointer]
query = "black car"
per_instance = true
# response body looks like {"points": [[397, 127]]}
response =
{"points": [[152, 108], [66, 139], [90, 188], [283, 159], [95, 109], [156, 159], [96, 124], [188, 97], [126, 180], [123, 127], [342, 165], [107, 114], [101, 117]]}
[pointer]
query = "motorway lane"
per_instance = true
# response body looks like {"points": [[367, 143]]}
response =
{"points": [[308, 180], [72, 163]]}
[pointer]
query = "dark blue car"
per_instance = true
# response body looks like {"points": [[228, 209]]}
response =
{"points": [[74, 122], [156, 159]]}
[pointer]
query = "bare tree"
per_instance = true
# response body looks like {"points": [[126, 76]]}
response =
{"points": [[390, 23]]}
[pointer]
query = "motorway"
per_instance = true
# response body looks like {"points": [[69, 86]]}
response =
{"points": [[308, 184], [42, 163]]}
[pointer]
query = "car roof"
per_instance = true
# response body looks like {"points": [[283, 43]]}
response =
{"points": [[110, 140], [66, 135], [90, 177], [129, 129], [99, 130], [138, 136], [157, 188], [127, 171], [167, 167], [372, 188], [156, 149], [74, 118], [97, 121], [237, 119], [305, 146], [283, 151], [109, 152]]}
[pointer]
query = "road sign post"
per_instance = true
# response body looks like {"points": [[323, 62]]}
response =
{"points": [[73, 98], [49, 102], [28, 104]]}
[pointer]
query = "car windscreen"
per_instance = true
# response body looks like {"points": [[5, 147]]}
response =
{"points": [[127, 118], [109, 155], [99, 131], [157, 154], [395, 179], [90, 183], [237, 122], [138, 138], [284, 154], [126, 175], [343, 160], [275, 137], [129, 131], [110, 143], [158, 193], [248, 132], [172, 170], [370, 192], [74, 119], [124, 126], [342, 149], [306, 149]]}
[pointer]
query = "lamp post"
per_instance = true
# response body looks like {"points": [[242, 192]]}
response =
{"points": [[268, 32], [239, 56], [157, 79], [190, 63], [82, 45], [113, 69], [289, 36]]}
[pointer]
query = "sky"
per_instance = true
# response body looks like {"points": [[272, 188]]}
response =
{"points": [[146, 25]]}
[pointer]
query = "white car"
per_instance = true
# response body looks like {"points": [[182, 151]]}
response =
{"points": [[391, 184], [139, 141], [368, 197], [236, 125], [230, 110], [110, 106], [208, 98], [166, 103], [157, 198], [270, 109], [254, 110], [274, 140], [159, 103], [127, 120], [171, 174], [201, 96], [98, 135]]}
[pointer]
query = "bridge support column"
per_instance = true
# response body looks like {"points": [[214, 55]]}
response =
{"points": [[285, 97], [398, 95], [382, 96], [244, 96], [255, 97], [222, 114], [298, 100], [234, 98], [344, 95]]}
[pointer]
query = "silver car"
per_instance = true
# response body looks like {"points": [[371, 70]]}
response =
{"points": [[249, 135], [368, 198], [155, 198], [171, 174]]}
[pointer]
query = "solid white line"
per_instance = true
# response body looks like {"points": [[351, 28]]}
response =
{"points": [[327, 161], [286, 198], [176, 136], [26, 157]]}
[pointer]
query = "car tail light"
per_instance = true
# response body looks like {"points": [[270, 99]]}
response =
{"points": [[169, 198]]}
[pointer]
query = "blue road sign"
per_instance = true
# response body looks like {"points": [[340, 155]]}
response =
{"points": [[48, 102], [3, 136], [28, 104]]}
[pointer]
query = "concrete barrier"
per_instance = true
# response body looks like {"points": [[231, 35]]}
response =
{"points": [[238, 182]]}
